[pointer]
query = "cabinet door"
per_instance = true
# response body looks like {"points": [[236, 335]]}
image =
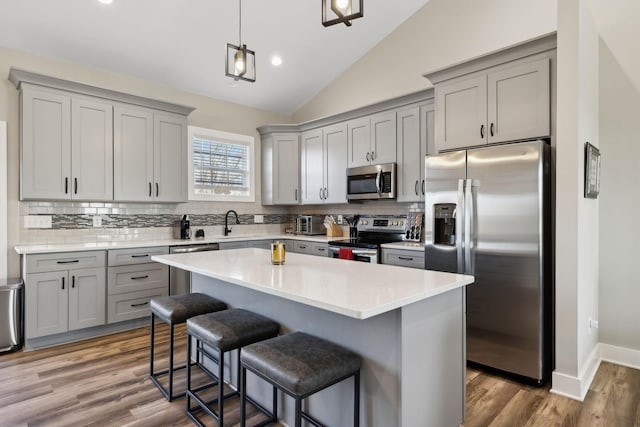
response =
{"points": [[170, 158], [358, 142], [133, 154], [519, 102], [335, 163], [427, 141], [409, 155], [286, 167], [461, 113], [311, 167], [383, 138], [46, 303], [46, 144], [87, 298], [91, 149]]}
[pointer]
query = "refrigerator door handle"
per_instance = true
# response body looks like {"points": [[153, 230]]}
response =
{"points": [[458, 214], [468, 226]]}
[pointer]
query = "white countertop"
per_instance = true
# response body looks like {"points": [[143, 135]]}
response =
{"points": [[354, 289], [124, 244], [407, 246]]}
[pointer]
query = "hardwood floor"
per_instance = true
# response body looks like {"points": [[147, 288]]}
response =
{"points": [[104, 382]]}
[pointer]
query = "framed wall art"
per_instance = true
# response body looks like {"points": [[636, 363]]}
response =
{"points": [[591, 171]]}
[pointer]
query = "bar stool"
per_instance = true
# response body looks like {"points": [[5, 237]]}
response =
{"points": [[174, 310], [300, 365], [224, 331]]}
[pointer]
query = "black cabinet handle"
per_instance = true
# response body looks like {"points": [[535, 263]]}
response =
{"points": [[140, 256], [146, 276], [491, 129], [66, 185], [63, 283], [157, 189], [322, 249], [140, 305], [296, 194], [73, 281], [405, 258], [303, 247], [423, 187], [149, 189], [481, 131], [75, 185], [69, 262]]}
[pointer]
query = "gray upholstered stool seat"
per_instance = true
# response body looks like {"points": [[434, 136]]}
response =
{"points": [[176, 309], [223, 331], [300, 365]]}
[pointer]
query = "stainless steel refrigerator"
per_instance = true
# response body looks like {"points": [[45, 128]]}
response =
{"points": [[487, 213]]}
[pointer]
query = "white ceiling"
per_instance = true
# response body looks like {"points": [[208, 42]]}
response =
{"points": [[182, 43]]}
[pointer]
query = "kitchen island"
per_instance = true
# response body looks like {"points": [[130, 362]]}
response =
{"points": [[408, 325]]}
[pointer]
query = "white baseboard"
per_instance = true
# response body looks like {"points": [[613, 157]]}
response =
{"points": [[620, 355], [577, 387]]}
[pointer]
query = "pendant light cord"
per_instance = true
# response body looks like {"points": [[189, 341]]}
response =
{"points": [[240, 26]]}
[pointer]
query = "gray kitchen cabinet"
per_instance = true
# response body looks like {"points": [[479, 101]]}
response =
{"points": [[280, 169], [310, 248], [415, 140], [504, 103], [320, 249], [266, 244], [323, 164], [150, 155], [372, 139], [233, 245], [64, 298], [66, 146], [133, 279], [403, 258]]}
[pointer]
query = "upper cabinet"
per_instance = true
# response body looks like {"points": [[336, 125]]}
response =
{"points": [[66, 146], [372, 139], [415, 140], [503, 104], [280, 169], [81, 142], [323, 164], [150, 155]]}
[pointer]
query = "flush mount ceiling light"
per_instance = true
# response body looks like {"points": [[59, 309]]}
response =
{"points": [[106, 1], [341, 11], [240, 62], [276, 60]]}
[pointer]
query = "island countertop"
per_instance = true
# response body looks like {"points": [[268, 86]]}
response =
{"points": [[355, 289]]}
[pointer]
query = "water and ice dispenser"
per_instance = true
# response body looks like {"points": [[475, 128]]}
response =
{"points": [[444, 227]]}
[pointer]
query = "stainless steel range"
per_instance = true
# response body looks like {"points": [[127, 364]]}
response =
{"points": [[373, 231]]}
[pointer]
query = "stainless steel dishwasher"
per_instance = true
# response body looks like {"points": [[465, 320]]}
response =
{"points": [[179, 279]]}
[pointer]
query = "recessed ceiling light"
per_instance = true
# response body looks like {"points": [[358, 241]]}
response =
{"points": [[106, 1], [276, 60]]}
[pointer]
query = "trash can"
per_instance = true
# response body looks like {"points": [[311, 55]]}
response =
{"points": [[11, 314]]}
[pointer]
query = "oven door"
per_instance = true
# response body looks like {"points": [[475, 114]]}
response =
{"points": [[359, 254]]}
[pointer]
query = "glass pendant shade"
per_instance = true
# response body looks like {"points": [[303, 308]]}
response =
{"points": [[241, 63], [341, 11]]}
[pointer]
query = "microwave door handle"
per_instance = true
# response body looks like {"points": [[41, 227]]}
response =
{"points": [[378, 185]]}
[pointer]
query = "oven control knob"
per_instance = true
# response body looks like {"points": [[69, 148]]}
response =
{"points": [[401, 223], [408, 234]]}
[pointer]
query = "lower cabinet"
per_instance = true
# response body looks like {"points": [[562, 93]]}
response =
{"points": [[310, 248], [403, 258], [133, 280], [65, 299]]}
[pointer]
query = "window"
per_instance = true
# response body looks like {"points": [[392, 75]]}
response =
{"points": [[221, 166]]}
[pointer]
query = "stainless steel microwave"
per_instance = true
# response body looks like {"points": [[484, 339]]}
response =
{"points": [[372, 182]]}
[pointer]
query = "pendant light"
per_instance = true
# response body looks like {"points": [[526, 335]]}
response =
{"points": [[240, 61], [341, 11]]}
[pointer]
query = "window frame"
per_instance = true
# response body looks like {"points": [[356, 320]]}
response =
{"points": [[231, 138]]}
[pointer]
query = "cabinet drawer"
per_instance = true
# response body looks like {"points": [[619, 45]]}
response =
{"points": [[413, 259], [320, 249], [302, 247], [132, 305], [135, 256], [138, 277], [64, 261]]}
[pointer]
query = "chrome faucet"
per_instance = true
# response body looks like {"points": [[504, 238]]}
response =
{"points": [[227, 229]]}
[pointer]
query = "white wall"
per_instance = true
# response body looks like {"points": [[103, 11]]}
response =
{"points": [[619, 196], [442, 33], [3, 199], [576, 218]]}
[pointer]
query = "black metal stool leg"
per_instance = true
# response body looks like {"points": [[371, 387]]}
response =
{"points": [[243, 396], [298, 416], [170, 362], [274, 411], [356, 399], [188, 390], [220, 389], [151, 345]]}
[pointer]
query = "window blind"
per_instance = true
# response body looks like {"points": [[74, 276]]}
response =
{"points": [[220, 167]]}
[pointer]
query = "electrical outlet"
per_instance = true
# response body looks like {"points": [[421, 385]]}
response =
{"points": [[37, 221], [340, 219], [258, 219], [97, 221], [593, 324]]}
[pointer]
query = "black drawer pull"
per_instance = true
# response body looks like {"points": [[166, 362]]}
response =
{"points": [[140, 256], [63, 283], [146, 276], [322, 249], [73, 281], [69, 262], [75, 185], [303, 247], [405, 258], [140, 305]]}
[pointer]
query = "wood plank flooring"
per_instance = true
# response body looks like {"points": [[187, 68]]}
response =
{"points": [[104, 382]]}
